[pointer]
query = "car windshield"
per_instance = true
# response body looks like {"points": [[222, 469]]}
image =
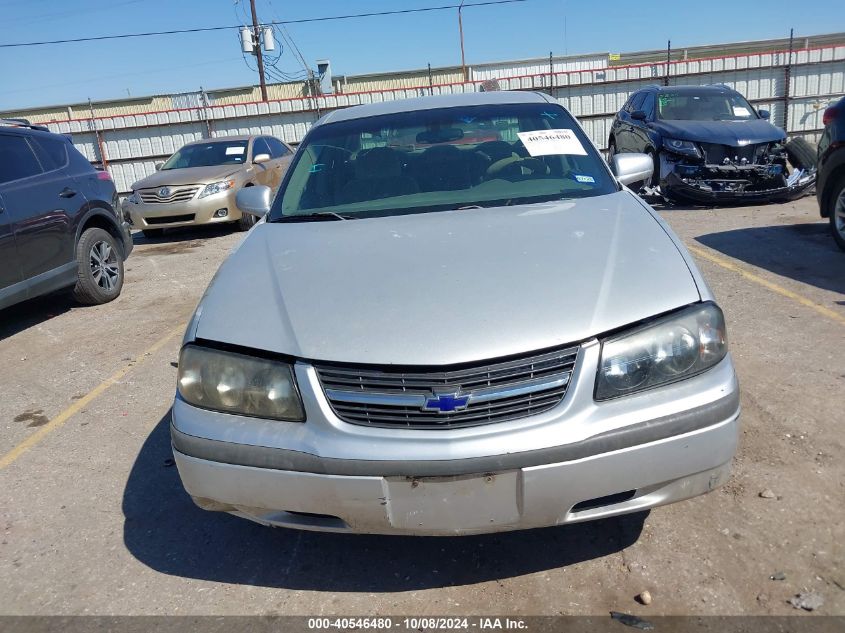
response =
{"points": [[440, 159], [703, 106], [208, 154]]}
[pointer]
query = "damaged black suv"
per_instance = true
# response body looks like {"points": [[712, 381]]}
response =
{"points": [[710, 146]]}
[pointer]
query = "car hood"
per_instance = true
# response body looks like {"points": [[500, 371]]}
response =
{"points": [[187, 176], [446, 287], [721, 132]]}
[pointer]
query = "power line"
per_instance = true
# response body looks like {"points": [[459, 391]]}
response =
{"points": [[206, 29]]}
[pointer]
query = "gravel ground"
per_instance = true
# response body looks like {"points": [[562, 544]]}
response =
{"points": [[94, 519]]}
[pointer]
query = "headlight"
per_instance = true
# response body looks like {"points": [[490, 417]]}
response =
{"points": [[676, 347], [235, 383], [134, 198], [216, 187], [686, 148]]}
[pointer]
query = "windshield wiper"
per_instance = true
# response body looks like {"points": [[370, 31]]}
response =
{"points": [[315, 217]]}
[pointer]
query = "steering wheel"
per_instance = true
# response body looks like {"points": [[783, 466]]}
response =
{"points": [[517, 163]]}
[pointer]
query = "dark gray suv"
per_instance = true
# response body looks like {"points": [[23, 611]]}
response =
{"points": [[60, 220]]}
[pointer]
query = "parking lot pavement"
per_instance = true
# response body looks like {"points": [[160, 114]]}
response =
{"points": [[94, 518]]}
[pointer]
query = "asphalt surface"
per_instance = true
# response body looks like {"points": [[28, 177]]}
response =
{"points": [[94, 519]]}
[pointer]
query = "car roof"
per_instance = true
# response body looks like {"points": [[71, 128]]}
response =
{"points": [[431, 103], [22, 130]]}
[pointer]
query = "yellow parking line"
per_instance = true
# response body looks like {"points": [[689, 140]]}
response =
{"points": [[757, 279], [84, 401]]}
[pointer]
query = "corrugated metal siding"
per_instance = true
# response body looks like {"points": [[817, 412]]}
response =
{"points": [[156, 142], [38, 116], [405, 80], [240, 95], [290, 127], [539, 66], [286, 91], [126, 174], [188, 100], [119, 108]]}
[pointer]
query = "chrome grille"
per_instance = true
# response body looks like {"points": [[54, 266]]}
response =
{"points": [[496, 392], [175, 194]]}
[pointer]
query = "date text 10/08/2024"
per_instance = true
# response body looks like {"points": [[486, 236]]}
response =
{"points": [[416, 624]]}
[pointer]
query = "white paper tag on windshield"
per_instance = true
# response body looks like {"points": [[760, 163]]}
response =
{"points": [[741, 111], [235, 151], [548, 142]]}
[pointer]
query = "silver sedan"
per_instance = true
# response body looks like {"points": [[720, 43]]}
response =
{"points": [[455, 319]]}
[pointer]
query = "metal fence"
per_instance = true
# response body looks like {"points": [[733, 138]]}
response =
{"points": [[794, 87]]}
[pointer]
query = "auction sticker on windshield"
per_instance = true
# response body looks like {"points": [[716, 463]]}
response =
{"points": [[234, 151], [550, 142]]}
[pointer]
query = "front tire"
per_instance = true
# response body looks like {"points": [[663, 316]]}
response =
{"points": [[99, 273], [246, 222], [801, 154], [655, 174], [837, 213]]}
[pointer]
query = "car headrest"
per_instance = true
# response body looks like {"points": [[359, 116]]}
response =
{"points": [[495, 150], [379, 162], [442, 135]]}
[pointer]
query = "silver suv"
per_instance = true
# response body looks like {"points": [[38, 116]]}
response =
{"points": [[455, 319]]}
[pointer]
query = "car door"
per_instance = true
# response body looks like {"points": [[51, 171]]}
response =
{"points": [[41, 202], [262, 173], [625, 141], [640, 131], [10, 270], [282, 156]]}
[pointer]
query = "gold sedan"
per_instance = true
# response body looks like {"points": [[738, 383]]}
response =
{"points": [[198, 184]]}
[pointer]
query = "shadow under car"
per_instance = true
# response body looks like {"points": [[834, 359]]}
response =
{"points": [[803, 252]]}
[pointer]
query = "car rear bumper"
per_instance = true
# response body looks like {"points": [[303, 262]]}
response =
{"points": [[608, 484], [192, 212]]}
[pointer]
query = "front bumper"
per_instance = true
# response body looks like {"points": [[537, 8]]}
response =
{"points": [[707, 192], [196, 211], [610, 484], [581, 460]]}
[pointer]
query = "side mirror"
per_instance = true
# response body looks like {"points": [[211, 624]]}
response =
{"points": [[764, 114], [159, 166], [630, 168], [638, 115], [254, 200], [260, 158]]}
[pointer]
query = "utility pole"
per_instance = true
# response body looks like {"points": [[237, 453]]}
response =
{"points": [[787, 74], [100, 145], [257, 35], [461, 32]]}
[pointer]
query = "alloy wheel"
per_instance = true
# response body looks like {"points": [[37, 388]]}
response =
{"points": [[104, 267], [839, 214]]}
